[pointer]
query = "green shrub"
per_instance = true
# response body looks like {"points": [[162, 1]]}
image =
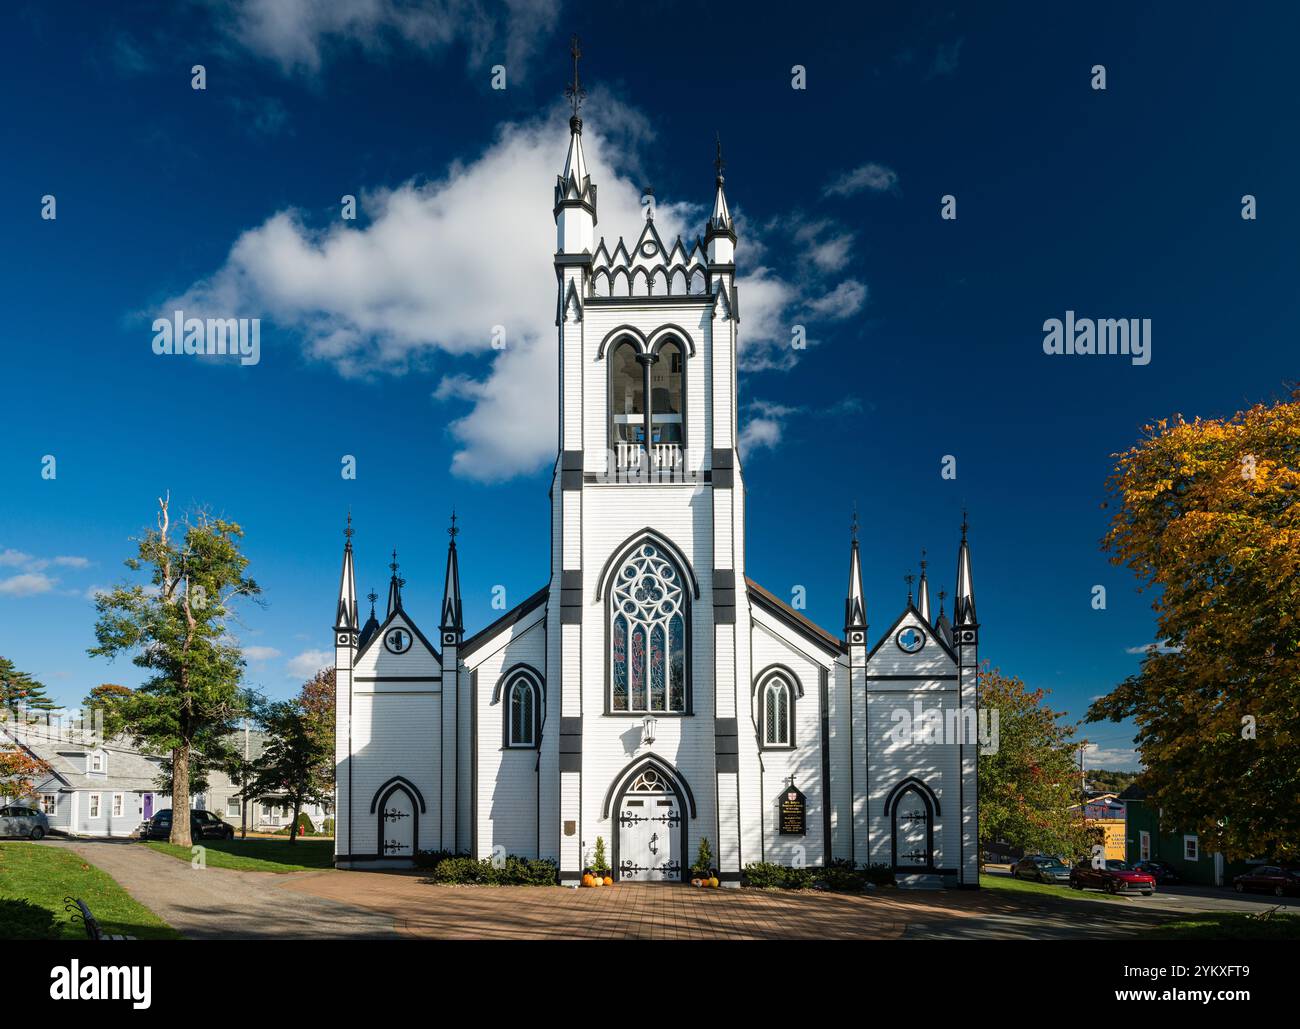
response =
{"points": [[327, 827], [599, 865], [703, 859], [842, 876], [880, 874], [457, 869], [769, 875], [433, 858]]}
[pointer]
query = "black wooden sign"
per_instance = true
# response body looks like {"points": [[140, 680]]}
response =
{"points": [[794, 812]]}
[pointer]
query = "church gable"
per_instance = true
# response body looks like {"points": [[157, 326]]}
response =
{"points": [[911, 648], [399, 648]]}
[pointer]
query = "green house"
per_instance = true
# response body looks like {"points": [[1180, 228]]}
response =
{"points": [[1145, 839]]}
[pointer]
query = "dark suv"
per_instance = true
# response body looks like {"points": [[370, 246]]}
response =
{"points": [[204, 825]]}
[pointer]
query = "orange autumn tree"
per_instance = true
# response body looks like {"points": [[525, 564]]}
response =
{"points": [[1207, 516]]}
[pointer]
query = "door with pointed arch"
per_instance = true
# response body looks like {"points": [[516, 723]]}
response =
{"points": [[650, 831], [398, 823], [913, 832]]}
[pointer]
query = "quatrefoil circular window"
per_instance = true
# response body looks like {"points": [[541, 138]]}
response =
{"points": [[910, 640]]}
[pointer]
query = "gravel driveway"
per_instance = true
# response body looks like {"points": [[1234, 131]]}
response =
{"points": [[223, 904]]}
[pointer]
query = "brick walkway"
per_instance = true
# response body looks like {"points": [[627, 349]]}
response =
{"points": [[631, 911]]}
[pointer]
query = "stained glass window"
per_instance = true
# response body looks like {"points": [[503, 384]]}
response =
{"points": [[776, 713], [648, 634], [522, 714]]}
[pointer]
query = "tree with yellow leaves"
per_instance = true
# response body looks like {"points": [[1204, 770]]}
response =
{"points": [[1207, 516]]}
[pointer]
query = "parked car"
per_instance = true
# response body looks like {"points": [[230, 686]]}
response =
{"points": [[1271, 878], [1115, 877], [19, 820], [204, 825], [1164, 875], [1041, 868]]}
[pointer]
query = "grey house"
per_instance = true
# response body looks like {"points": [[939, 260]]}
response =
{"points": [[94, 788]]}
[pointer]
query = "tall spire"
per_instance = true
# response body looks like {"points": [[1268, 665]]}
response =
{"points": [[395, 587], [346, 613], [452, 624], [923, 592], [963, 605], [574, 189], [720, 223], [855, 607]]}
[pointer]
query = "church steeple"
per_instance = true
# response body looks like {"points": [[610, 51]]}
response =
{"points": [[923, 593], [452, 624], [855, 607], [720, 233], [345, 618], [372, 623], [395, 587], [964, 601], [575, 195]]}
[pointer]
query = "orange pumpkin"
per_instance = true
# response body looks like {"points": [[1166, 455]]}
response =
{"points": [[586, 879], [714, 882], [609, 881]]}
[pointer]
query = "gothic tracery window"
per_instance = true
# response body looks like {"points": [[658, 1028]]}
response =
{"points": [[648, 605], [521, 714], [777, 713]]}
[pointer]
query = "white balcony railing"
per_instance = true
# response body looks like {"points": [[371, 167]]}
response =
{"points": [[661, 462]]}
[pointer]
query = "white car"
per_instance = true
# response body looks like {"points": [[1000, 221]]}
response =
{"points": [[17, 820]]}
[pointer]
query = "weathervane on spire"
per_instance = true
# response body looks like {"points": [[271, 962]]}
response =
{"points": [[372, 596], [575, 92], [909, 578], [853, 527], [349, 530], [453, 532], [718, 162], [923, 561], [393, 566]]}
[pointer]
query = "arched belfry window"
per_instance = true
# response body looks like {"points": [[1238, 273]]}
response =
{"points": [[778, 708], [626, 396], [648, 609], [667, 408]]}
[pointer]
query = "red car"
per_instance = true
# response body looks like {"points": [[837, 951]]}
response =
{"points": [[1277, 881], [1116, 877]]}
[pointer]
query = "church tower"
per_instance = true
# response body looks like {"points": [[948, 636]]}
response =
{"points": [[345, 652], [648, 622]]}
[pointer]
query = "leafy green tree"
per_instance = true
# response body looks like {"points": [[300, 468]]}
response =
{"points": [[298, 761], [177, 629], [20, 690], [106, 704], [1206, 517], [1027, 787]]}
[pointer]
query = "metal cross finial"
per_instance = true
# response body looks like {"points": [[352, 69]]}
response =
{"points": [[854, 527], [349, 530], [909, 578], [372, 596], [453, 532], [393, 566], [923, 562], [963, 523], [942, 594], [718, 162], [574, 91]]}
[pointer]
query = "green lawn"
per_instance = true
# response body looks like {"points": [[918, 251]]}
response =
{"points": [[258, 855], [1005, 884], [35, 879], [1227, 925]]}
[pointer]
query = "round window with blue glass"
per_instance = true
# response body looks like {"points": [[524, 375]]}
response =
{"points": [[910, 640]]}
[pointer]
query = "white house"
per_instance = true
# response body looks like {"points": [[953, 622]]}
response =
{"points": [[650, 693]]}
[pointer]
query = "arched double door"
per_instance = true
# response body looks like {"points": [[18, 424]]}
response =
{"points": [[912, 809], [650, 807]]}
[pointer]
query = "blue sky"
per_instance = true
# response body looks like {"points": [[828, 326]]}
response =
{"points": [[927, 334]]}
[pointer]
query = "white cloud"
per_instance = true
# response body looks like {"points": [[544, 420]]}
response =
{"points": [[1117, 758], [14, 558], [872, 176], [765, 426], [435, 266], [26, 584], [70, 562], [264, 653], [308, 663], [299, 35], [1159, 648]]}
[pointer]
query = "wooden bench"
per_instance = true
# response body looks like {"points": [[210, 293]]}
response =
{"points": [[93, 929]]}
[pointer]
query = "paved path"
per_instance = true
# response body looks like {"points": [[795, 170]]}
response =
{"points": [[220, 903]]}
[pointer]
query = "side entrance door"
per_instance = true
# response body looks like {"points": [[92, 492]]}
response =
{"points": [[912, 832], [397, 825], [649, 838]]}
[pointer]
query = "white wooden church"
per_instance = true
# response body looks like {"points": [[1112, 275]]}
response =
{"points": [[650, 693]]}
